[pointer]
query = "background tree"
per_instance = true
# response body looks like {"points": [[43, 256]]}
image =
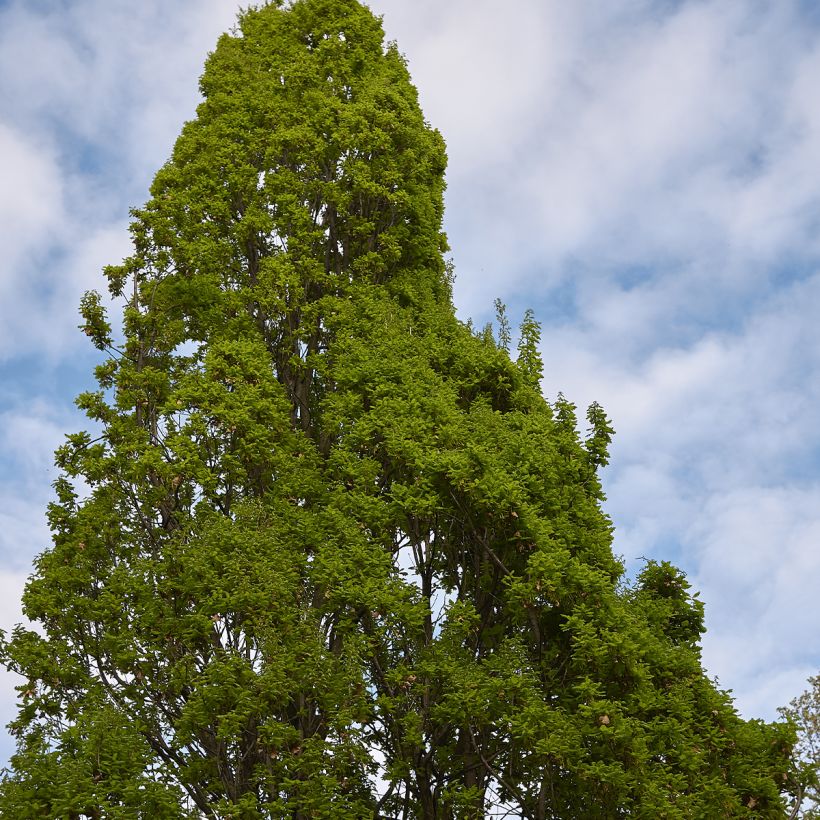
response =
{"points": [[804, 713], [337, 556]]}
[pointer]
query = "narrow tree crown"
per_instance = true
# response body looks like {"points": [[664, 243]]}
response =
{"points": [[332, 554]]}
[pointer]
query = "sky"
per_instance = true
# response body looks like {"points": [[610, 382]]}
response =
{"points": [[641, 173]]}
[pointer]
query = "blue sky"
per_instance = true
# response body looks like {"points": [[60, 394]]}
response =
{"points": [[643, 174]]}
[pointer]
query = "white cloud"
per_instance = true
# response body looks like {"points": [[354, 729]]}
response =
{"points": [[759, 571], [112, 84], [651, 157], [41, 293], [501, 62], [626, 136], [11, 588], [97, 59], [28, 437], [31, 200]]}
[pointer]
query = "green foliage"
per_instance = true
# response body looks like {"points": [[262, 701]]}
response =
{"points": [[337, 557], [529, 356], [96, 325], [504, 336]]}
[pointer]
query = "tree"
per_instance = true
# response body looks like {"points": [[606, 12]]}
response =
{"points": [[804, 713], [332, 554]]}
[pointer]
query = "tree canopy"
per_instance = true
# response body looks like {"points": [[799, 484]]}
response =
{"points": [[331, 553]]}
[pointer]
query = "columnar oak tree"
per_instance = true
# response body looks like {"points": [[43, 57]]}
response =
{"points": [[334, 555]]}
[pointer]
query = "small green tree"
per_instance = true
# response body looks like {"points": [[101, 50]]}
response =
{"points": [[529, 357], [804, 713], [338, 557]]}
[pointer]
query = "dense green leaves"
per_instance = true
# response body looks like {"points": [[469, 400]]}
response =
{"points": [[333, 555]]}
